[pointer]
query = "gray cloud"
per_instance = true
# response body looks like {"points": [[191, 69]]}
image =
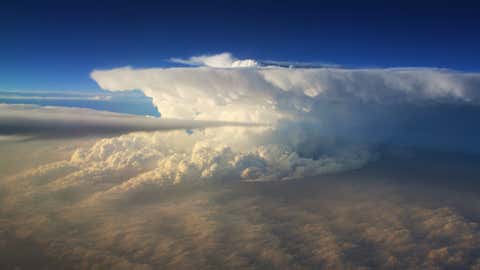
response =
{"points": [[59, 122]]}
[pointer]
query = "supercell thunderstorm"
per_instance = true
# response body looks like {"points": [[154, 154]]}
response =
{"points": [[312, 123]]}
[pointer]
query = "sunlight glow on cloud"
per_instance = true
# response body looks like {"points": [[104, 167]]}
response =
{"points": [[302, 104], [152, 195], [265, 94], [320, 120], [222, 60]]}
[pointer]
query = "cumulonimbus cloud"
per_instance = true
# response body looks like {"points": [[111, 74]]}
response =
{"points": [[119, 192], [309, 104], [320, 120]]}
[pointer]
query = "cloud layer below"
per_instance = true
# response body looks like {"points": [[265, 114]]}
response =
{"points": [[74, 215]]}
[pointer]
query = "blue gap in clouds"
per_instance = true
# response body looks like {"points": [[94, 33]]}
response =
{"points": [[129, 102]]}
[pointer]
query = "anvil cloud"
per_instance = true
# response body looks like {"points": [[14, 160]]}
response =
{"points": [[267, 93]]}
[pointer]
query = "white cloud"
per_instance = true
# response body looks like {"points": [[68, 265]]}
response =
{"points": [[308, 108], [222, 60]]}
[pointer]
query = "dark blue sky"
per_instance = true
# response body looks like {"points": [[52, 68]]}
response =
{"points": [[53, 45]]}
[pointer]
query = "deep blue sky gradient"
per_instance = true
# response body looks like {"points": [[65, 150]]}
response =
{"points": [[54, 45]]}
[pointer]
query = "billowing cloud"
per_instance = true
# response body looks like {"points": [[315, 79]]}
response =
{"points": [[262, 93], [57, 122], [309, 107], [227, 60], [222, 60]]}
